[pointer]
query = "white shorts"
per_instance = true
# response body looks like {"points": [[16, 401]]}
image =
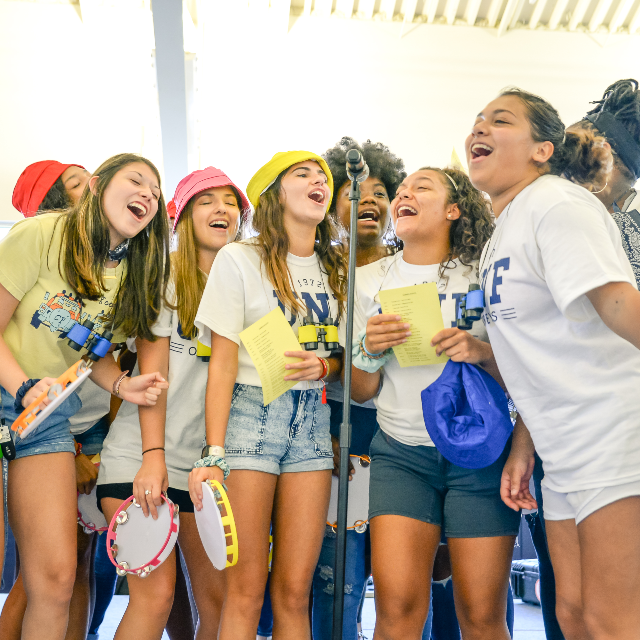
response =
{"points": [[577, 505]]}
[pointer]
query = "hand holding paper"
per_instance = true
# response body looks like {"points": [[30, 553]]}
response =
{"points": [[266, 341], [419, 306]]}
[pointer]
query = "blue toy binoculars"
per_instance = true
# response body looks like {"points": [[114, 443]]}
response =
{"points": [[97, 346], [471, 307]]}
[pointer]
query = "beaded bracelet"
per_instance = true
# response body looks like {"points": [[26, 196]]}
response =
{"points": [[365, 351], [325, 368]]}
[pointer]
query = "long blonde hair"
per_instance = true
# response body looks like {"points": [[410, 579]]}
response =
{"points": [[84, 251], [188, 279], [273, 247]]}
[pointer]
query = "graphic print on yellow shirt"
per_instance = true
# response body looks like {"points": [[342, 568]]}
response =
{"points": [[48, 307]]}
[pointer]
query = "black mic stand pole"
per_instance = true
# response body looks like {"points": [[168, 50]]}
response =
{"points": [[345, 427]]}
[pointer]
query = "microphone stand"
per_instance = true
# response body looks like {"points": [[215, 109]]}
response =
{"points": [[345, 426]]}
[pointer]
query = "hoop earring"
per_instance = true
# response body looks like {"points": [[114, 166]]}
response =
{"points": [[601, 190]]}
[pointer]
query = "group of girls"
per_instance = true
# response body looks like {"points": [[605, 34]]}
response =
{"points": [[558, 332]]}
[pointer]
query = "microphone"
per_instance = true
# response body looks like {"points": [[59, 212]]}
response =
{"points": [[357, 168]]}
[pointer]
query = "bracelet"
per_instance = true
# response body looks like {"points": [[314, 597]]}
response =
{"points": [[365, 351], [78, 446], [325, 368], [362, 361], [153, 449], [25, 387], [213, 461], [117, 383]]}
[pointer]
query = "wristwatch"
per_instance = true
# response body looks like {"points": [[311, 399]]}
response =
{"points": [[213, 450]]}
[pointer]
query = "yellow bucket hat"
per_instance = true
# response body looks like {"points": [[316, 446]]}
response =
{"points": [[267, 174]]}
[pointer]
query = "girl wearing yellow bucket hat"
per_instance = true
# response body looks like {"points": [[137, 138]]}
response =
{"points": [[280, 455]]}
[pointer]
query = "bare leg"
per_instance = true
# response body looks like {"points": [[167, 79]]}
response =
{"points": [[42, 510], [251, 494], [150, 598], [180, 622], [610, 556], [79, 609], [402, 554], [564, 549], [207, 583], [299, 521], [480, 569]]}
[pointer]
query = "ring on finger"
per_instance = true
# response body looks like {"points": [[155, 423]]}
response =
{"points": [[147, 492]]}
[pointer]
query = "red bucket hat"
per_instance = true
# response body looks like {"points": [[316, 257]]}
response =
{"points": [[34, 183], [201, 180]]}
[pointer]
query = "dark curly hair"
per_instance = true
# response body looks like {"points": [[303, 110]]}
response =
{"points": [[470, 232], [572, 155], [383, 165], [622, 100], [56, 198]]}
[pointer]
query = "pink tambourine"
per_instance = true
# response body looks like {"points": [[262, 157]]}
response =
{"points": [[137, 545]]}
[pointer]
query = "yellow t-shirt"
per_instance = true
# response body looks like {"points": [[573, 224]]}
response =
{"points": [[36, 334]]}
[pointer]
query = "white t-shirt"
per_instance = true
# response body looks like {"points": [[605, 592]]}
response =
{"points": [[121, 456], [399, 403], [575, 382], [238, 293]]}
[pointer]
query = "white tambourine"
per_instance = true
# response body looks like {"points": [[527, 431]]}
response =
{"points": [[216, 526], [138, 545], [90, 518], [358, 505]]}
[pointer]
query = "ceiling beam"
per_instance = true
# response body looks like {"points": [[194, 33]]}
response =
{"points": [[634, 22], [494, 12], [537, 12], [365, 8], [601, 10], [620, 14], [345, 7], [471, 12], [578, 14], [430, 8], [557, 14], [508, 14], [409, 9], [388, 7], [450, 10]]}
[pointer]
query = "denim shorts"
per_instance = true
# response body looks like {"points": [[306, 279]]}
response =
{"points": [[93, 438], [418, 482], [290, 434], [52, 435]]}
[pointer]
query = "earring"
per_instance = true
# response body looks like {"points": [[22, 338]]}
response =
{"points": [[603, 188]]}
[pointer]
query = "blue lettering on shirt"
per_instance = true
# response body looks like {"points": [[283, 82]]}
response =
{"points": [[503, 264]]}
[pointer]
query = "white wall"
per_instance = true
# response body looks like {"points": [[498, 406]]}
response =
{"points": [[80, 90]]}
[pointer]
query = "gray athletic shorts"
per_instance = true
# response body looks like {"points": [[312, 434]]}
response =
{"points": [[419, 483]]}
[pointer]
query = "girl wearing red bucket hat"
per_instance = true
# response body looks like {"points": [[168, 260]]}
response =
{"points": [[49, 185], [153, 451], [102, 260], [280, 455], [416, 494]]}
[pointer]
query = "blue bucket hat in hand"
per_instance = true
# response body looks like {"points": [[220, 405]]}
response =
{"points": [[467, 416]]}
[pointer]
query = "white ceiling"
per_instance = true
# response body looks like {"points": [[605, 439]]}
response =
{"points": [[592, 16]]}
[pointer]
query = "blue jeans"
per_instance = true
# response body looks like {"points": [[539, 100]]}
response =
{"points": [[106, 577], [445, 621], [547, 577], [354, 584]]}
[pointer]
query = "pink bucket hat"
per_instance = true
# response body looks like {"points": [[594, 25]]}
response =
{"points": [[201, 180]]}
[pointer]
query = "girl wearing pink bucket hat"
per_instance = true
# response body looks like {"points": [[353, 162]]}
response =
{"points": [[150, 452]]}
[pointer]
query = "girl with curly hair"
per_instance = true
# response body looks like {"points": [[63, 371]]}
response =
{"points": [[279, 455], [561, 309], [415, 494]]}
